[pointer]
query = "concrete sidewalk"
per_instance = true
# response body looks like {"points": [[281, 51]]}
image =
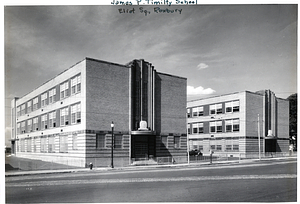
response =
{"points": [[37, 172]]}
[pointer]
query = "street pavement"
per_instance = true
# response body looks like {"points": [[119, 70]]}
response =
{"points": [[272, 180]]}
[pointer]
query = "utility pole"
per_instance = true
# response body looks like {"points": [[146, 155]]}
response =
{"points": [[258, 133]]}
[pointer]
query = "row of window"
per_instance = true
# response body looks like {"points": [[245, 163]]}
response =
{"points": [[228, 145], [165, 141], [231, 125], [50, 96], [47, 144], [229, 107], [67, 115]]}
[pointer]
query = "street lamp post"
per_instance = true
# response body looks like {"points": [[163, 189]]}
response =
{"points": [[112, 144]]}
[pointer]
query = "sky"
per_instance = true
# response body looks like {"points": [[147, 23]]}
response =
{"points": [[220, 49]]}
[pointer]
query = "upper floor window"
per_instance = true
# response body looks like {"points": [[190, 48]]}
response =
{"points": [[64, 116], [188, 113], [35, 103], [29, 106], [197, 128], [23, 127], [189, 128], [44, 120], [75, 114], [198, 111], [215, 109], [52, 94], [52, 119], [232, 106], [23, 109], [35, 123], [18, 128], [215, 126], [18, 111], [29, 125], [44, 98], [76, 84], [232, 125], [64, 90]]}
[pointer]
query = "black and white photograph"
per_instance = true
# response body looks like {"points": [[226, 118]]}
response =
{"points": [[150, 101]]}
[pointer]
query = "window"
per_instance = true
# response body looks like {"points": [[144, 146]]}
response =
{"points": [[22, 144], [23, 109], [75, 114], [232, 106], [164, 141], [18, 128], [64, 90], [34, 144], [189, 128], [236, 106], [235, 147], [198, 111], [213, 147], [35, 124], [197, 128], [228, 147], [29, 107], [52, 94], [35, 103], [52, 119], [188, 113], [76, 84], [200, 127], [44, 120], [74, 141], [118, 141], [18, 111], [219, 108], [219, 147], [44, 98], [219, 126], [51, 144], [236, 125], [64, 116], [212, 109], [63, 143], [232, 125], [29, 125], [22, 127], [215, 109], [176, 142], [100, 141], [29, 145], [44, 144]]}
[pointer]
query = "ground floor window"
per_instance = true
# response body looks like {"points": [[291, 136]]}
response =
{"points": [[176, 142], [29, 145], [51, 144], [74, 141], [22, 145], [63, 143], [100, 141], [44, 144], [118, 141]]}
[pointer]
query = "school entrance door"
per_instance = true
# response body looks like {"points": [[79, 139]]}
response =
{"points": [[143, 146]]}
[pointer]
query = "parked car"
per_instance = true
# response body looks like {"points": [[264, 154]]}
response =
{"points": [[195, 152]]}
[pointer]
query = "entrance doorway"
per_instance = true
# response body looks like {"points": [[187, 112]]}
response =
{"points": [[142, 146]]}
